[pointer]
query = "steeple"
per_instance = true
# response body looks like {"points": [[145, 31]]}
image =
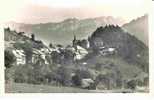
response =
{"points": [[74, 38], [74, 41]]}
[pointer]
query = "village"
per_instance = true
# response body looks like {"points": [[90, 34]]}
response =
{"points": [[57, 58], [79, 49]]}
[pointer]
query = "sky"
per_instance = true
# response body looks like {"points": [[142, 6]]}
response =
{"points": [[42, 11]]}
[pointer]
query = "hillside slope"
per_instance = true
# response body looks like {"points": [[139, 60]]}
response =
{"points": [[139, 28], [128, 47]]}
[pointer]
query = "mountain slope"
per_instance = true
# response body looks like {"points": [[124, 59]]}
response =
{"points": [[138, 28], [128, 47], [62, 32]]}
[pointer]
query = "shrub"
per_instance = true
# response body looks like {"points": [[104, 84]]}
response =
{"points": [[83, 73], [76, 80], [9, 74], [26, 74], [20, 75], [131, 84], [63, 76], [32, 74], [19, 78], [36, 75], [9, 58]]}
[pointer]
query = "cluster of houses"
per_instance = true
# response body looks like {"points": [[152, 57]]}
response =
{"points": [[79, 48], [12, 37], [38, 54]]}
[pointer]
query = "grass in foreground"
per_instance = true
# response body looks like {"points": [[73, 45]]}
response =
{"points": [[29, 88]]}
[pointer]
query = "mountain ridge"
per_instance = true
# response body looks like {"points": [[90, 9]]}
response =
{"points": [[62, 32]]}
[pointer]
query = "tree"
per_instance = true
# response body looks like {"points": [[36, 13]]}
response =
{"points": [[28, 51], [56, 57], [27, 47], [9, 58], [64, 76], [50, 45], [68, 57], [33, 37]]}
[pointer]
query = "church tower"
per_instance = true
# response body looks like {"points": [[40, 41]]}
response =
{"points": [[74, 41]]}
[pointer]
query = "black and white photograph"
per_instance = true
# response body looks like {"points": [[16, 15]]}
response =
{"points": [[76, 46]]}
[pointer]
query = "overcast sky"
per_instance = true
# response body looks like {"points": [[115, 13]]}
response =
{"points": [[41, 11]]}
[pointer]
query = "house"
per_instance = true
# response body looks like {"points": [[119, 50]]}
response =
{"points": [[98, 42], [20, 57], [80, 53], [39, 57], [107, 51]]}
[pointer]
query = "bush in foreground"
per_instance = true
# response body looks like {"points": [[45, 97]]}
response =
{"points": [[9, 58]]}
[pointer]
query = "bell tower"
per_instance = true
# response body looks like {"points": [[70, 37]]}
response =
{"points": [[74, 41]]}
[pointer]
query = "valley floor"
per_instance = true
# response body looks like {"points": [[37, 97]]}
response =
{"points": [[29, 88]]}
